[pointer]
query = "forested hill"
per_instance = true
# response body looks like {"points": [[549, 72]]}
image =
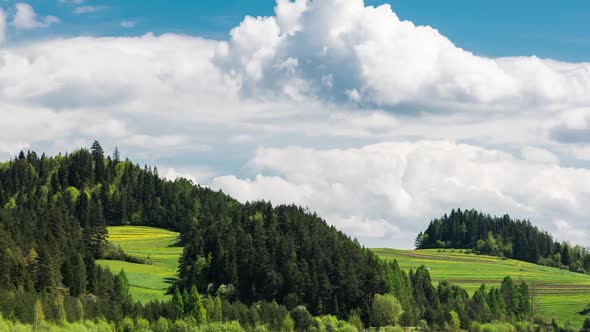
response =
{"points": [[54, 212], [253, 263], [502, 236]]}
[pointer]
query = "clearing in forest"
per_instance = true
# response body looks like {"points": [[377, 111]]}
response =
{"points": [[154, 245]]}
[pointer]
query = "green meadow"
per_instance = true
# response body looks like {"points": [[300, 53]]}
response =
{"points": [[157, 246], [556, 293]]}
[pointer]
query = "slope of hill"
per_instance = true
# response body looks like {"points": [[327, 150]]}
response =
{"points": [[237, 258], [154, 245], [556, 293], [503, 237]]}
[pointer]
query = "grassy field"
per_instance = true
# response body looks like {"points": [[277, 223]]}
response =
{"points": [[147, 282], [557, 293]]}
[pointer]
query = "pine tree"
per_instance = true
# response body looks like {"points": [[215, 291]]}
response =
{"points": [[524, 307], [510, 296], [38, 313], [60, 310], [177, 304], [99, 166], [116, 155], [198, 311], [79, 309], [121, 289]]}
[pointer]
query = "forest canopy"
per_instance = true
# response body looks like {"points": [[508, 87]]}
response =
{"points": [[504, 237], [247, 264]]}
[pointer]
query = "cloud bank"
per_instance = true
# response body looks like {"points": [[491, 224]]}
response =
{"points": [[402, 182], [374, 122]]}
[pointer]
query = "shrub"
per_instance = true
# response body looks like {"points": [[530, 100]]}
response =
{"points": [[386, 310], [302, 318]]}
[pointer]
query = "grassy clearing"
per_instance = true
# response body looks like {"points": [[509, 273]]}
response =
{"points": [[147, 281], [558, 293]]}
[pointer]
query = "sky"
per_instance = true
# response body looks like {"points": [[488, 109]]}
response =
{"points": [[379, 115]]}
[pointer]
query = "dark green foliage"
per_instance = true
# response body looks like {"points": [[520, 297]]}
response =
{"points": [[285, 254], [265, 267], [504, 237]]}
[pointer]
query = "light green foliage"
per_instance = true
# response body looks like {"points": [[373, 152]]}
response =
{"points": [[214, 310], [196, 309], [127, 325], [220, 327], [356, 321], [302, 318], [142, 325], [60, 315], [87, 326], [39, 314], [287, 325], [161, 325], [555, 293], [177, 304], [386, 310], [73, 194], [146, 281], [493, 327], [11, 204], [454, 322], [525, 327]]}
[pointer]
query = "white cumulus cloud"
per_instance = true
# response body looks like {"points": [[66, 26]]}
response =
{"points": [[25, 18], [344, 51], [302, 107], [402, 185]]}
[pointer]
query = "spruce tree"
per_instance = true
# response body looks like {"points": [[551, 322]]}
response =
{"points": [[198, 311]]}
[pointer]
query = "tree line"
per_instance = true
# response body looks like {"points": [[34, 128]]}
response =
{"points": [[281, 268], [503, 237]]}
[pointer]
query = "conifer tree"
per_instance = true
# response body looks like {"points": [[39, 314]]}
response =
{"points": [[198, 311], [38, 313], [177, 304]]}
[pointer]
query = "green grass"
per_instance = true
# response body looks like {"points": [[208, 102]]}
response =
{"points": [[557, 293], [147, 281]]}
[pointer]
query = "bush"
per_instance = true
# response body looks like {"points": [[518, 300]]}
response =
{"points": [[161, 325], [116, 253], [221, 327], [386, 310], [525, 327], [126, 325], [302, 318], [497, 327]]}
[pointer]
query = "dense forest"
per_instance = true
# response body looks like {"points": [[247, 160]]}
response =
{"points": [[245, 266], [56, 210], [502, 236]]}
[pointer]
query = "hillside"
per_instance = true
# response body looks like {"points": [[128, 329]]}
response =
{"points": [[556, 293], [503, 237], [155, 245], [54, 214], [252, 262]]}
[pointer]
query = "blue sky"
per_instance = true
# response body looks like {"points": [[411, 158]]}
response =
{"points": [[376, 124], [546, 28]]}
